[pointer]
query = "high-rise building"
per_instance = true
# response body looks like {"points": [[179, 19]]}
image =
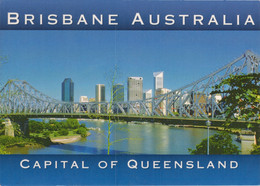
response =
{"points": [[158, 80], [100, 93], [134, 88], [67, 90], [118, 92], [100, 97]]}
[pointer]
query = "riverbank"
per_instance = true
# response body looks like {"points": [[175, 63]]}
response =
{"points": [[67, 139], [230, 130], [217, 128]]}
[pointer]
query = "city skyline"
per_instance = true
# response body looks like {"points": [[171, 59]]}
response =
{"points": [[47, 57]]}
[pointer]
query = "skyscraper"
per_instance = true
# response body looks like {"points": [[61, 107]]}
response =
{"points": [[100, 93], [67, 90], [158, 80], [134, 88], [100, 97], [118, 92]]}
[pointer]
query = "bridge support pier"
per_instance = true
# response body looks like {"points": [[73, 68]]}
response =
{"points": [[9, 129], [24, 125]]}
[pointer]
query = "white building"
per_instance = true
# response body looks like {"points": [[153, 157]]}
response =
{"points": [[158, 80], [218, 98], [148, 94], [83, 99], [162, 105]]}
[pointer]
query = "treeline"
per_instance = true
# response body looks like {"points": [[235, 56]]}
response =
{"points": [[57, 128]]}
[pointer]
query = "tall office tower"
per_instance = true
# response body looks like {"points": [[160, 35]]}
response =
{"points": [[67, 90], [118, 92], [83, 99], [100, 93], [100, 97], [147, 94], [158, 80], [134, 88]]}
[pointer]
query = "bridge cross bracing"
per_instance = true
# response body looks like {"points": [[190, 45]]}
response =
{"points": [[192, 101]]}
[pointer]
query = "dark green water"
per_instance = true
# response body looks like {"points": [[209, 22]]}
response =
{"points": [[140, 138]]}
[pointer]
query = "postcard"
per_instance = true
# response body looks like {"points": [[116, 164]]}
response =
{"points": [[129, 92]]}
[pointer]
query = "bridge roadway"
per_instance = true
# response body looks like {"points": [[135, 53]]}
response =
{"points": [[22, 119]]}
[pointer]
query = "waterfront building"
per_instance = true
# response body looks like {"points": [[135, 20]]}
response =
{"points": [[147, 94], [158, 80], [67, 90], [118, 93], [100, 97], [200, 99], [100, 93], [184, 99], [83, 99], [92, 100], [162, 105], [134, 88]]}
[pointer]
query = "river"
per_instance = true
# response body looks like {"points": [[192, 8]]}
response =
{"points": [[134, 138]]}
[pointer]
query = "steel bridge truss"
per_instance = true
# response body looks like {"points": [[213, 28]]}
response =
{"points": [[193, 100]]}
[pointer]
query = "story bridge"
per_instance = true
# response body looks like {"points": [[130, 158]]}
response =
{"points": [[192, 101]]}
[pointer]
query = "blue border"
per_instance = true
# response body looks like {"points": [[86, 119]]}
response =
{"points": [[126, 11], [244, 172]]}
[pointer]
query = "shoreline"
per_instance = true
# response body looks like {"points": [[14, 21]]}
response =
{"points": [[65, 139], [217, 128]]}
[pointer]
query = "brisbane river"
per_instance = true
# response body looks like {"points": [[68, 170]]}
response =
{"points": [[132, 138]]}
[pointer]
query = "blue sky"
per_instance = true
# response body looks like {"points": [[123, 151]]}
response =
{"points": [[46, 58]]}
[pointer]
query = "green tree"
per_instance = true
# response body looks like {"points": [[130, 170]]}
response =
{"points": [[3, 150], [82, 131], [17, 129], [242, 99], [220, 143], [46, 133], [73, 123], [242, 96], [36, 126], [63, 132], [256, 149]]}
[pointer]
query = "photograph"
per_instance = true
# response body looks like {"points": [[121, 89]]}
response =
{"points": [[126, 92]]}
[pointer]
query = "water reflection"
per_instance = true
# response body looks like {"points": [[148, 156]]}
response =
{"points": [[142, 138]]}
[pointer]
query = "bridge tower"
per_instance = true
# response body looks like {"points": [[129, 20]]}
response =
{"points": [[252, 62]]}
